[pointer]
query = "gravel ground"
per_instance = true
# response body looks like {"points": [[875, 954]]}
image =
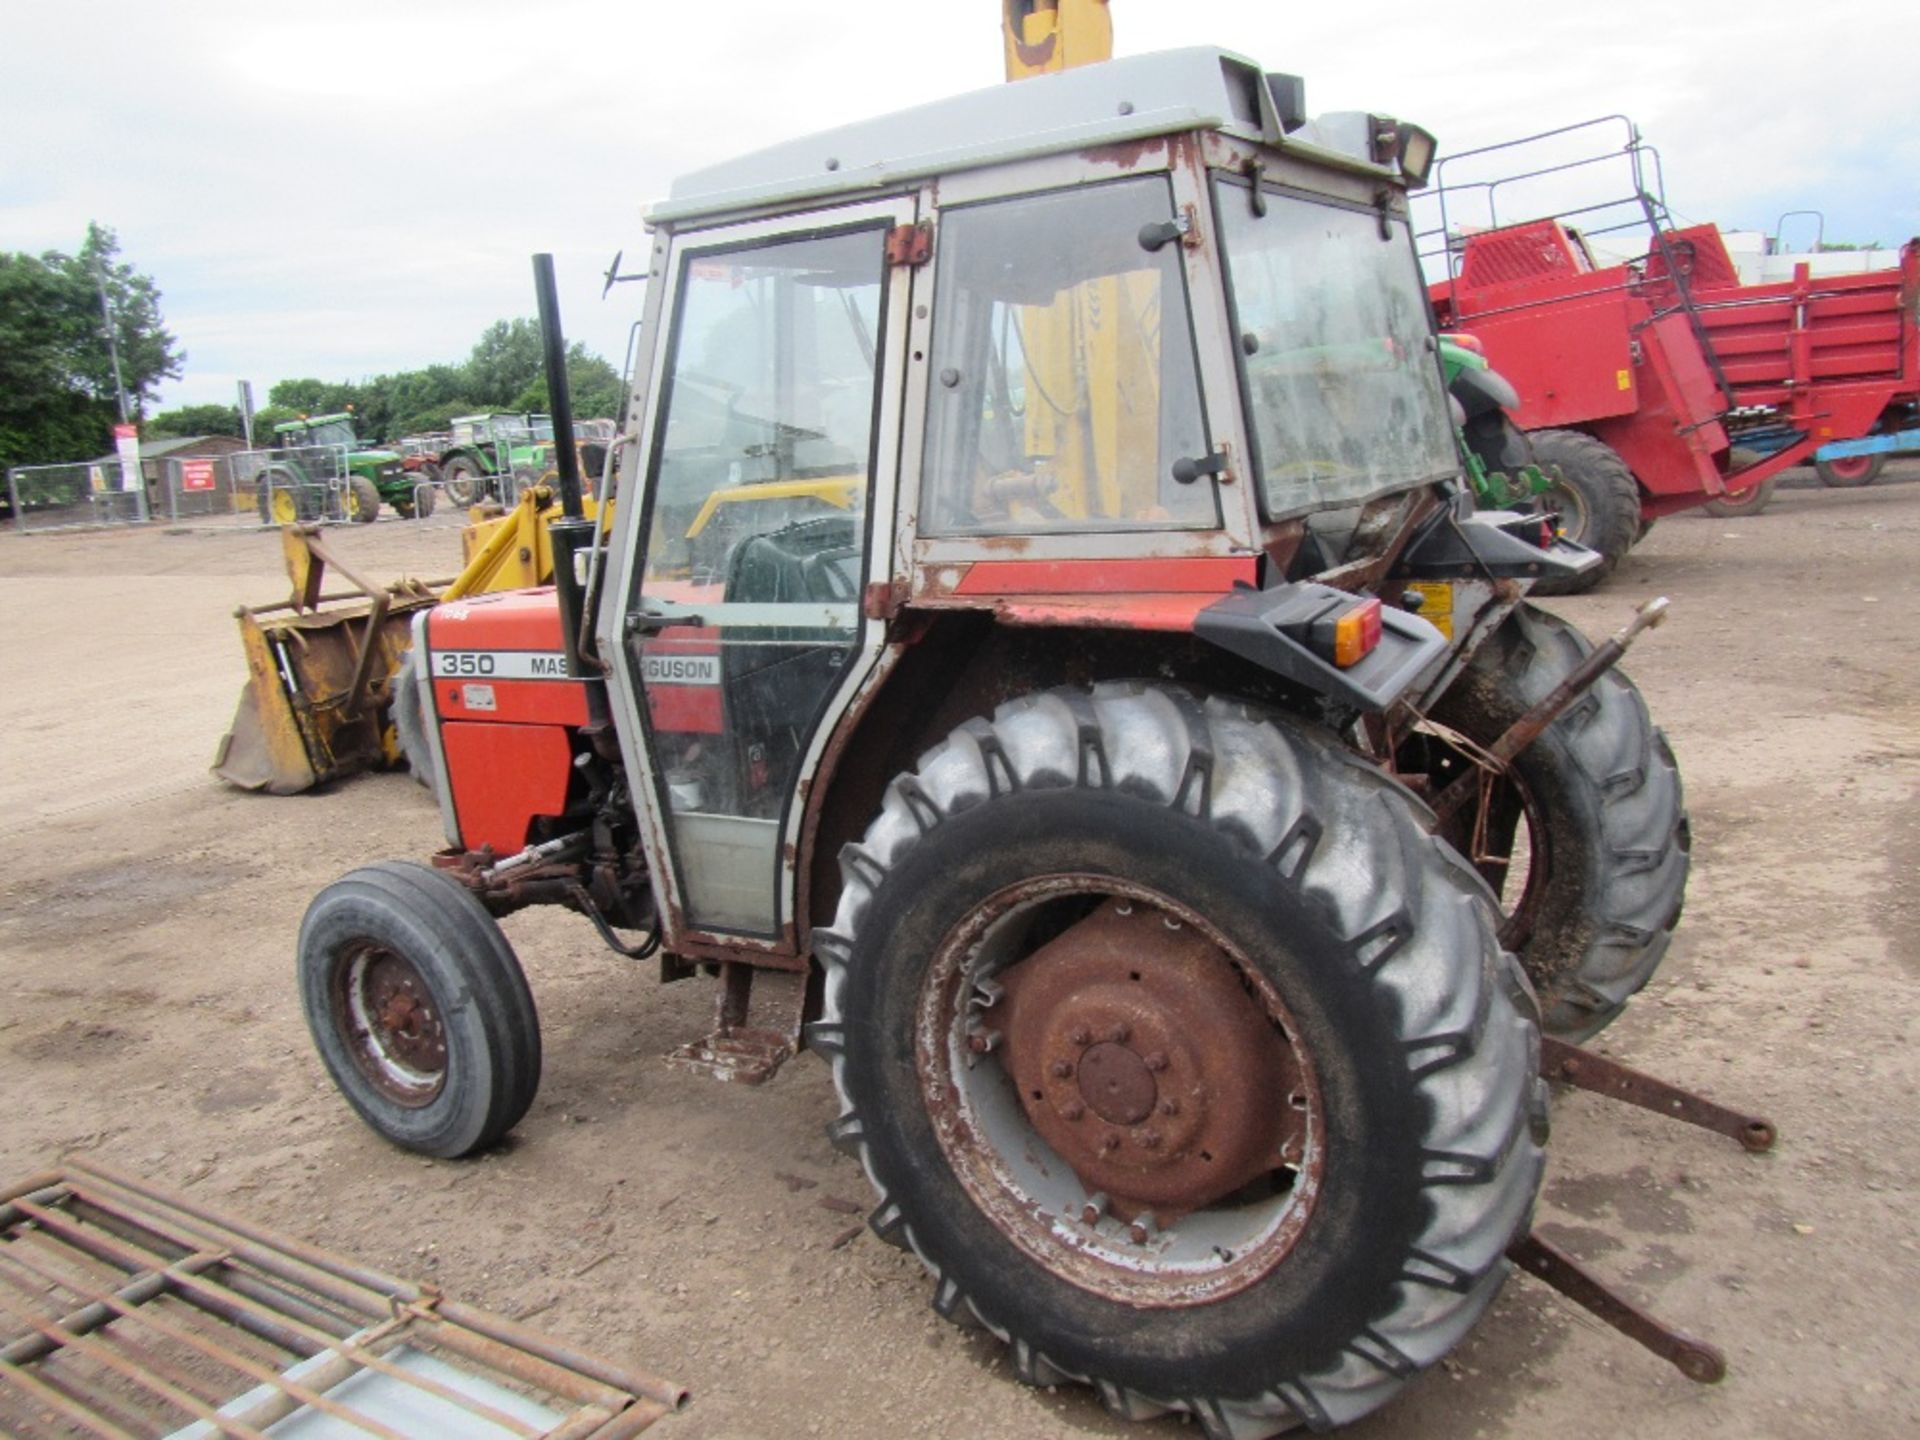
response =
{"points": [[703, 1231]]}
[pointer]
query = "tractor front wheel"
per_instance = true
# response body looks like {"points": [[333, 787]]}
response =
{"points": [[419, 1009], [363, 500], [1596, 497], [1187, 1063], [1584, 837], [1851, 472]]}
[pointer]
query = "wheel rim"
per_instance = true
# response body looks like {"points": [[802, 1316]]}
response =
{"points": [[1120, 1091], [1571, 505], [353, 503], [460, 485], [284, 508], [387, 1015], [1851, 468], [1749, 499], [1501, 830]]}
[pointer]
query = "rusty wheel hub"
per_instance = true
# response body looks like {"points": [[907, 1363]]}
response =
{"points": [[1120, 1091], [391, 1025], [1143, 1061]]}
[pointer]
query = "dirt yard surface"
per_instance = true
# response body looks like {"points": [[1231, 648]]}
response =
{"points": [[708, 1233]]}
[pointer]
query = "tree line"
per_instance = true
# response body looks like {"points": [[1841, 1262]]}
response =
{"points": [[504, 371], [57, 395]]}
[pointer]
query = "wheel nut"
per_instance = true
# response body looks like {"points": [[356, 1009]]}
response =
{"points": [[1156, 1061], [1109, 1143], [1170, 1106], [1137, 1233], [1149, 1139], [1118, 1034], [1072, 1110], [1060, 1069], [1080, 1035], [1095, 1207], [982, 1041]]}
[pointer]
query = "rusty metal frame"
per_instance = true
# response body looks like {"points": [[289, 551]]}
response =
{"points": [[127, 1309]]}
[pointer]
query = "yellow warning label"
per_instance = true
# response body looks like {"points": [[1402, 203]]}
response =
{"points": [[1623, 378], [1437, 605]]}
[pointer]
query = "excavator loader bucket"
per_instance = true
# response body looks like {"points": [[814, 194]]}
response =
{"points": [[319, 672]]}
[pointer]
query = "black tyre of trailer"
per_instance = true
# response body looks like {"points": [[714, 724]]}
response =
{"points": [[1750, 501], [1290, 892], [1597, 499], [1587, 840], [1850, 473], [363, 500], [419, 1009]]}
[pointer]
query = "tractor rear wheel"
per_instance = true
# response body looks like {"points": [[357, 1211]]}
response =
{"points": [[1584, 837], [1183, 1059], [1597, 498], [278, 495], [465, 482], [363, 500], [1853, 471], [419, 1009]]}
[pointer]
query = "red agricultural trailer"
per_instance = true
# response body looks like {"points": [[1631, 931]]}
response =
{"points": [[1659, 383]]}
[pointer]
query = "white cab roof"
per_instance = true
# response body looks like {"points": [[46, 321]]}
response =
{"points": [[1110, 103]]}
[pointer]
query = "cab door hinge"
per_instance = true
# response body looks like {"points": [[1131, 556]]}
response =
{"points": [[910, 244]]}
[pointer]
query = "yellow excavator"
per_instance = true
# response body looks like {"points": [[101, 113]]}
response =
{"points": [[321, 667]]}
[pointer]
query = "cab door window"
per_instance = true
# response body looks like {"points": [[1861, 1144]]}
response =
{"points": [[749, 598], [1064, 387]]}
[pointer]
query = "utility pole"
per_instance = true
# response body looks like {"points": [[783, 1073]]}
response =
{"points": [[113, 345]]}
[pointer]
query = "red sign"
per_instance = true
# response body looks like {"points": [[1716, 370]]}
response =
{"points": [[196, 474]]}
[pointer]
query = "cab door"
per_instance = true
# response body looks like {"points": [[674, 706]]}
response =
{"points": [[768, 480]]}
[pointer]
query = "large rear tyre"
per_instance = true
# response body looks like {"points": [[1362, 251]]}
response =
{"points": [[419, 1009], [1597, 498], [1183, 1058], [465, 481], [1585, 838], [1854, 471]]}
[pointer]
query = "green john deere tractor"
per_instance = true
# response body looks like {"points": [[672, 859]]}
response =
{"points": [[293, 486], [487, 446]]}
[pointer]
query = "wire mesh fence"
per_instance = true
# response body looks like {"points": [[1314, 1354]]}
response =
{"points": [[295, 484], [82, 495]]}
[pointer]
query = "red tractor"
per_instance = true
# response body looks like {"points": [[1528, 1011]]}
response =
{"points": [[1660, 383], [1046, 661]]}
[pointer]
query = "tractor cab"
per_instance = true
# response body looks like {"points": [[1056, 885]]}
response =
{"points": [[1093, 352]]}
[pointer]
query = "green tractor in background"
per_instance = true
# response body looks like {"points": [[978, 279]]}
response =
{"points": [[290, 490], [487, 446]]}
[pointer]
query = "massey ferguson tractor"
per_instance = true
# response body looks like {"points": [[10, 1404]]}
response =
{"points": [[1104, 730]]}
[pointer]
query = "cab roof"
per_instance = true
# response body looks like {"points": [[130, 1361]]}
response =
{"points": [[1201, 88]]}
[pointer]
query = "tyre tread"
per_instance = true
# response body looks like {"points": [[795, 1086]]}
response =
{"points": [[1471, 1043]]}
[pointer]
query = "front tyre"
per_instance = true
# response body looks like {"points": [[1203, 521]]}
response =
{"points": [[363, 500], [1585, 838], [419, 1009], [1185, 1061]]}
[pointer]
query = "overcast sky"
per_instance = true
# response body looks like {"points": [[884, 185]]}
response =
{"points": [[354, 188]]}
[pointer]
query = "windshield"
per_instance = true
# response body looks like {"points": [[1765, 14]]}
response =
{"points": [[332, 432], [1336, 352]]}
